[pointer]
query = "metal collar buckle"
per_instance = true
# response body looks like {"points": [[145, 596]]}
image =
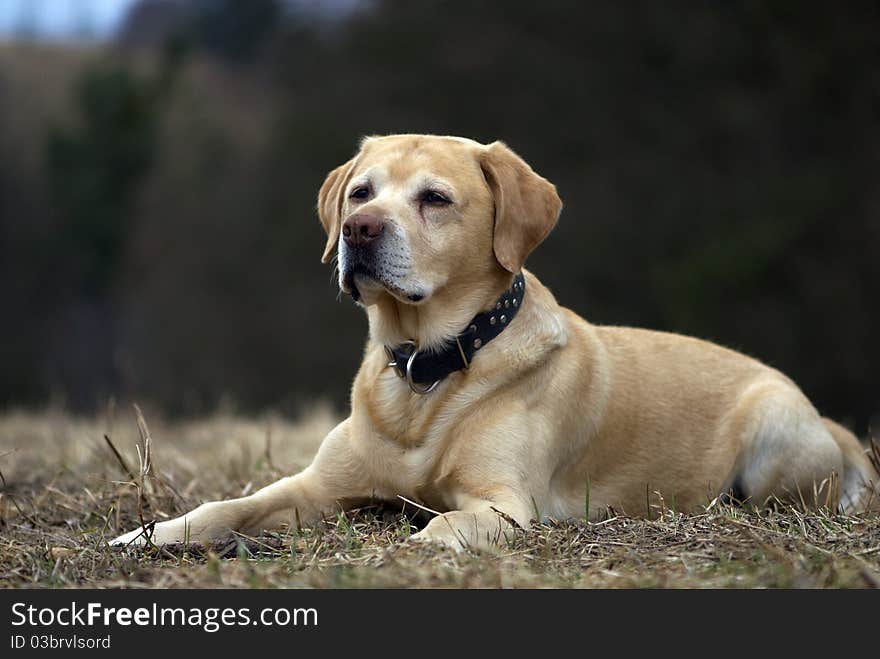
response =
{"points": [[407, 373]]}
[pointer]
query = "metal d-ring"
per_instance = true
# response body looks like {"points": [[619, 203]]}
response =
{"points": [[392, 362], [409, 377]]}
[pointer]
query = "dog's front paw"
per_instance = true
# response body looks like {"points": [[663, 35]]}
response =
{"points": [[443, 539], [136, 538], [175, 531], [210, 521]]}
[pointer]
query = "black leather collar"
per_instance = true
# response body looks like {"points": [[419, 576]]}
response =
{"points": [[425, 370]]}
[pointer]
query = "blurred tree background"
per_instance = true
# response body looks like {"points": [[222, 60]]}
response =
{"points": [[719, 164]]}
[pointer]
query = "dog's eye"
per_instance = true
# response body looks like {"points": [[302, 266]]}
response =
{"points": [[361, 192], [434, 198]]}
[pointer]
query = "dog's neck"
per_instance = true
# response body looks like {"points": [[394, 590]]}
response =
{"points": [[438, 320]]}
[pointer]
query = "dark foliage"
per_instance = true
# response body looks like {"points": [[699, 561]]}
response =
{"points": [[718, 162]]}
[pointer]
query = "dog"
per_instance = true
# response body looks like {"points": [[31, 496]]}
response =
{"points": [[484, 400]]}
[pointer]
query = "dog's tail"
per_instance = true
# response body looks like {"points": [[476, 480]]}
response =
{"points": [[860, 481]]}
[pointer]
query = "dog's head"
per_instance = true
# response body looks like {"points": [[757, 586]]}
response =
{"points": [[411, 215]]}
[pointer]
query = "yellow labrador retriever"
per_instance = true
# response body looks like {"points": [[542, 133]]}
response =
{"points": [[483, 398]]}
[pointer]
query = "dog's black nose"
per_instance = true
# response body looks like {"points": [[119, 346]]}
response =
{"points": [[362, 228]]}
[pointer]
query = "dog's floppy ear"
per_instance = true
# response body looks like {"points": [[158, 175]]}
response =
{"points": [[330, 200], [526, 205]]}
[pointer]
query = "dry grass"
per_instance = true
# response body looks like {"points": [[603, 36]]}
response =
{"points": [[65, 491]]}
